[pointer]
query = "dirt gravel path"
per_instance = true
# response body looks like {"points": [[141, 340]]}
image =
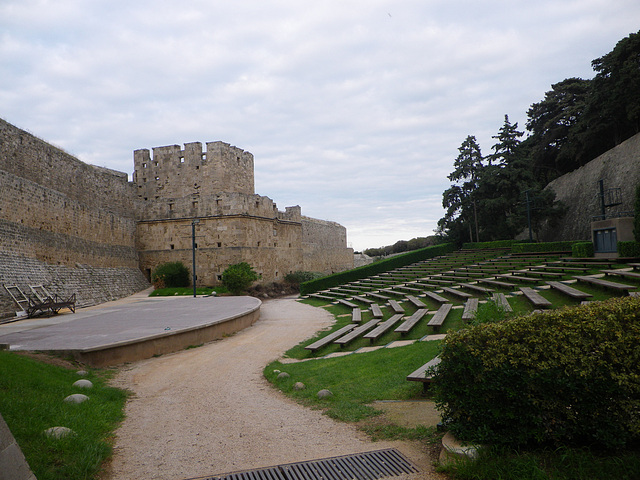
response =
{"points": [[209, 410]]}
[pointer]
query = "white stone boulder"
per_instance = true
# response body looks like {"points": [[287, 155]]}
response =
{"points": [[76, 398], [83, 384]]}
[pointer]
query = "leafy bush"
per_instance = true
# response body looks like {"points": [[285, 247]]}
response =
{"points": [[375, 268], [629, 249], [238, 277], [170, 275], [582, 250], [296, 278], [489, 245], [542, 247], [568, 376]]}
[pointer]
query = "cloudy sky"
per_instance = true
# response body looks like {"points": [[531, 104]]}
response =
{"points": [[353, 109]]}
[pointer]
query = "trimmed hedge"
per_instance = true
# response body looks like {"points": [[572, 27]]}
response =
{"points": [[489, 245], [629, 249], [543, 247], [582, 250], [564, 377], [374, 268]]}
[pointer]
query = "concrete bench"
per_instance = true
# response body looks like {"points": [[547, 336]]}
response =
{"points": [[376, 311], [422, 375], [383, 327], [599, 282], [410, 322], [357, 332], [535, 298], [326, 340], [502, 302], [470, 309], [440, 316], [395, 306], [456, 293], [569, 291]]}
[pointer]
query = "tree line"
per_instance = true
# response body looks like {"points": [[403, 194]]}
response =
{"points": [[499, 195]]}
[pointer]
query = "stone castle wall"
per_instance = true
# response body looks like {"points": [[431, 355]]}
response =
{"points": [[579, 190], [64, 224], [76, 228]]}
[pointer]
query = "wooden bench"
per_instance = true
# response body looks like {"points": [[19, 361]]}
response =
{"points": [[322, 297], [635, 266], [470, 309], [356, 332], [496, 283], [408, 289], [502, 302], [439, 317], [561, 268], [416, 301], [519, 278], [599, 282], [395, 306], [376, 311], [539, 273], [422, 375], [356, 315], [440, 281], [360, 299], [381, 328], [436, 297], [456, 293], [476, 288], [535, 298], [392, 292], [625, 273], [410, 322], [378, 296], [347, 303], [569, 291], [326, 340]]}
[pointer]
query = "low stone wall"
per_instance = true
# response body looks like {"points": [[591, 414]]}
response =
{"points": [[92, 285], [13, 465]]}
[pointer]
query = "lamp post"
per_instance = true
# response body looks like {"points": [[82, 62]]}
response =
{"points": [[193, 252]]}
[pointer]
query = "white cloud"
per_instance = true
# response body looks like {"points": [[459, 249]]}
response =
{"points": [[353, 110]]}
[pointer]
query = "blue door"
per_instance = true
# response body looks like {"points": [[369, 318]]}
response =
{"points": [[605, 240]]}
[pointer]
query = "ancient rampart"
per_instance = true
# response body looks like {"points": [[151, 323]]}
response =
{"points": [[579, 190]]}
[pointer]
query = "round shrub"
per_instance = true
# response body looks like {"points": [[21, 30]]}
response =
{"points": [[564, 377], [237, 278], [170, 275]]}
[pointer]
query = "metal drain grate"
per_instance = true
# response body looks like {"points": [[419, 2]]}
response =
{"points": [[361, 466]]}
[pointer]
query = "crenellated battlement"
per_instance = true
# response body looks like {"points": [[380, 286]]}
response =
{"points": [[174, 172]]}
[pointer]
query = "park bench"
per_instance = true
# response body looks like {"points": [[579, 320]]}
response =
{"points": [[357, 332], [436, 297], [496, 283], [410, 322], [376, 311], [423, 283], [540, 273], [440, 281], [439, 317], [408, 289], [569, 291], [356, 315], [609, 285], [470, 309], [416, 301], [456, 292], [535, 298], [552, 268], [392, 292], [382, 328], [476, 288], [326, 340], [501, 301], [422, 375], [395, 306]]}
